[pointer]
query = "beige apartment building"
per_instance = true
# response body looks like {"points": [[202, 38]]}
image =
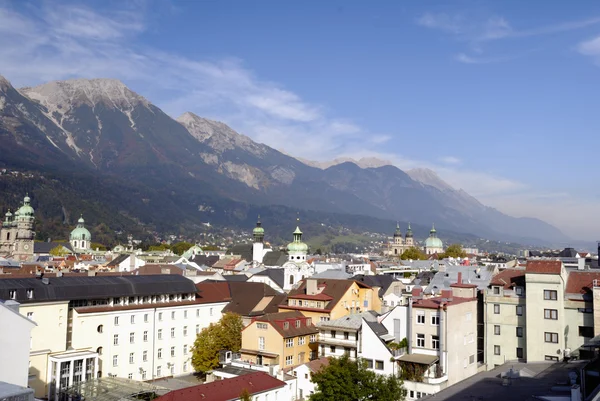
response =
{"points": [[442, 340], [544, 312], [136, 327]]}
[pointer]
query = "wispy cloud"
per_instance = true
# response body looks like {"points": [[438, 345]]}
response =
{"points": [[451, 160], [591, 48]]}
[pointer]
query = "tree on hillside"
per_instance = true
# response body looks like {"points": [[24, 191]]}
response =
{"points": [[226, 334], [413, 253], [455, 251], [181, 247], [159, 247], [344, 379]]}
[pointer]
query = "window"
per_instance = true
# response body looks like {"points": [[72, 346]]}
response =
{"points": [[185, 366], [286, 325], [332, 349], [145, 318], [472, 359], [551, 314], [586, 331], [519, 352], [145, 335], [289, 342], [551, 337], [185, 331], [378, 365], [30, 294], [12, 294], [435, 319], [115, 360], [496, 329], [160, 334], [519, 310], [421, 340], [469, 316], [585, 310], [262, 326], [30, 315], [116, 339], [298, 323], [132, 319], [369, 363], [210, 312], [289, 360], [185, 349], [172, 351], [496, 309], [145, 356], [551, 295], [160, 316], [301, 340], [496, 290], [312, 338], [420, 317], [159, 370], [185, 314], [197, 328], [172, 332], [519, 291], [130, 376], [100, 328], [116, 320], [173, 315], [519, 332], [346, 335], [160, 353], [496, 350], [435, 342], [333, 333], [551, 358], [131, 357], [143, 375]]}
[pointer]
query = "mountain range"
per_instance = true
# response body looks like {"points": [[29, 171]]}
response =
{"points": [[117, 156]]}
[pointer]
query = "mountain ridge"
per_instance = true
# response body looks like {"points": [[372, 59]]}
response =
{"points": [[104, 127]]}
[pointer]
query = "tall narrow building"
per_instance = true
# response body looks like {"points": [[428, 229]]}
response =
{"points": [[258, 247]]}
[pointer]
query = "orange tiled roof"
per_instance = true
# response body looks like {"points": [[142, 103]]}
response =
{"points": [[544, 266]]}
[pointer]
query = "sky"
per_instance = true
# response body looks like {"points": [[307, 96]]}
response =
{"points": [[499, 98]]}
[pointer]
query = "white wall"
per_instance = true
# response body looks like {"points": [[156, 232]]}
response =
{"points": [[304, 384], [374, 349], [398, 313], [15, 340]]}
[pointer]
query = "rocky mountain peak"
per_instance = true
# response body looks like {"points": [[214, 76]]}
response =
{"points": [[4, 84], [219, 136], [363, 162], [62, 96], [429, 177]]}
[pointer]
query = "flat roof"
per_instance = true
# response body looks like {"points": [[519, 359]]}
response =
{"points": [[112, 389], [530, 382], [419, 358]]}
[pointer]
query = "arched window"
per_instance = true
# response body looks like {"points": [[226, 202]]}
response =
{"points": [[100, 330], [395, 251], [82, 236], [99, 350], [291, 280], [8, 236], [75, 244], [83, 244]]}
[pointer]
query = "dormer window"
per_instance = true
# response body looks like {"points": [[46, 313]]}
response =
{"points": [[496, 290], [519, 291], [297, 323], [30, 293], [286, 325], [308, 321], [12, 294]]}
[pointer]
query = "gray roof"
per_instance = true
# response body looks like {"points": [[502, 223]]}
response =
{"points": [[275, 258], [353, 322], [333, 274], [46, 247], [377, 328], [9, 263], [480, 276], [235, 277], [383, 281], [97, 287], [118, 260], [277, 275]]}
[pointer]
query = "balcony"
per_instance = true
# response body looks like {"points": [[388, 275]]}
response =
{"points": [[337, 340], [435, 380]]}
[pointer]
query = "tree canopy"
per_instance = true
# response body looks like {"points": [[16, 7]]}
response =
{"points": [[226, 334], [454, 251], [180, 247], [413, 253], [344, 379], [59, 251]]}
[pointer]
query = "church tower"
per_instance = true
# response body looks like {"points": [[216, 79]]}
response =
{"points": [[23, 248], [258, 235], [408, 239], [297, 250]]}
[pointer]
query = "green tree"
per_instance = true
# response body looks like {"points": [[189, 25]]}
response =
{"points": [[96, 245], [245, 395], [226, 334], [59, 251], [159, 247], [344, 379], [454, 251], [180, 247], [413, 253]]}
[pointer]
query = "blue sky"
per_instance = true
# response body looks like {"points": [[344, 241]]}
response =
{"points": [[500, 98]]}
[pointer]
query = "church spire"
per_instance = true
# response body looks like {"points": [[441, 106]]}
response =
{"points": [[258, 233]]}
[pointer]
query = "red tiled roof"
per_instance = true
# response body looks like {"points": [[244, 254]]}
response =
{"points": [[544, 266], [278, 319], [437, 302], [508, 278], [316, 297], [463, 285], [581, 282], [226, 389], [213, 292], [317, 364]]}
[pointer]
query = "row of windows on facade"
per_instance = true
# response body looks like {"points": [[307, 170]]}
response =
{"points": [[134, 300], [132, 318], [584, 331], [286, 325], [159, 355], [334, 334], [519, 291], [435, 318], [159, 372], [159, 334], [519, 352], [321, 305], [289, 342]]}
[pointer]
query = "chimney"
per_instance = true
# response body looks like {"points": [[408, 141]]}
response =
{"points": [[311, 286], [459, 281]]}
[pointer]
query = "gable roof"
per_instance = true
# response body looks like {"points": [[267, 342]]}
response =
{"points": [[509, 278], [248, 299], [118, 260], [275, 258], [334, 289], [226, 389], [581, 282], [317, 364], [46, 247], [205, 260], [277, 275], [383, 281], [353, 321], [245, 251], [209, 292], [544, 266], [277, 319]]}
